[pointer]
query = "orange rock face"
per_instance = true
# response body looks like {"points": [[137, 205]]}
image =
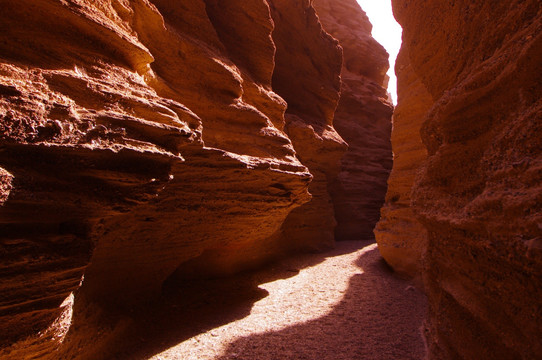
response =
{"points": [[479, 192], [131, 141], [306, 53], [362, 118], [400, 236], [142, 142]]}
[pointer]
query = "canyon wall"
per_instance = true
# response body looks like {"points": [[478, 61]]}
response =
{"points": [[478, 193], [307, 75], [362, 118], [145, 142], [400, 236], [135, 136]]}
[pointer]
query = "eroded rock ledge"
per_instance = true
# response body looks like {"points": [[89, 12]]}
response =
{"points": [[470, 80], [142, 142]]}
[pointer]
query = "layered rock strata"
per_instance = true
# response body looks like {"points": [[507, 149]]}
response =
{"points": [[362, 118], [143, 142], [136, 136], [479, 193], [400, 236], [307, 75], [305, 52]]}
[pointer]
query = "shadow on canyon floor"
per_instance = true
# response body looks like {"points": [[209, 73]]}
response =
{"points": [[380, 317], [186, 310], [375, 316]]}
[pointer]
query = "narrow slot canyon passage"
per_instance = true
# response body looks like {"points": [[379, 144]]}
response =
{"points": [[231, 180]]}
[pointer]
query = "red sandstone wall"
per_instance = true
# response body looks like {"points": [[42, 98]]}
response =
{"points": [[146, 141], [362, 118], [307, 76], [401, 239], [479, 194], [138, 136]]}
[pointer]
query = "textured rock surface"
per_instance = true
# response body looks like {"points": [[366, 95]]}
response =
{"points": [[103, 110], [400, 236], [6, 180], [306, 53], [362, 118], [479, 195], [143, 142]]}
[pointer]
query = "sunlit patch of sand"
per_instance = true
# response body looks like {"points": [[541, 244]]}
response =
{"points": [[309, 295]]}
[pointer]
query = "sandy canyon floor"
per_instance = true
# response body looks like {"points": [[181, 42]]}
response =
{"points": [[344, 304]]}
